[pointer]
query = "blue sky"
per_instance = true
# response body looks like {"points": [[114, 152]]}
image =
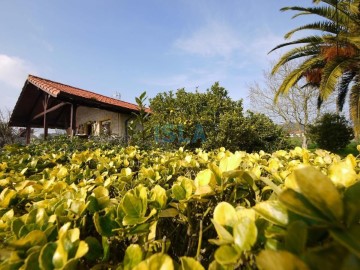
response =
{"points": [[131, 46]]}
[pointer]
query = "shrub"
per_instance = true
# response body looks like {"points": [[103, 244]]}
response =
{"points": [[7, 134], [331, 132], [208, 120]]}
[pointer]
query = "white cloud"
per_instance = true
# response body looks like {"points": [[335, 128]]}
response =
{"points": [[214, 39], [13, 71]]}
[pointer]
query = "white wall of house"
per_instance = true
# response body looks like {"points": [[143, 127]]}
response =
{"points": [[96, 118]]}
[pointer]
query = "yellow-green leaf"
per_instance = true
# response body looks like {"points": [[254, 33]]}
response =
{"points": [[274, 211], [188, 263], [225, 214], [279, 260], [320, 192]]}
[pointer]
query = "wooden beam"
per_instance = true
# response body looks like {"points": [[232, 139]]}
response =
{"points": [[28, 134], [45, 104], [33, 108], [54, 108], [71, 120], [74, 118]]}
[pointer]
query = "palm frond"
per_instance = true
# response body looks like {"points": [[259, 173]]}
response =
{"points": [[295, 75], [343, 88], [327, 12], [325, 26], [331, 73], [299, 52], [320, 101], [311, 40], [355, 107]]}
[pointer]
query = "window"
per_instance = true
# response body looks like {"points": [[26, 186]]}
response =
{"points": [[105, 128]]}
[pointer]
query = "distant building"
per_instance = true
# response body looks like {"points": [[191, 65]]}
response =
{"points": [[47, 104], [293, 130]]}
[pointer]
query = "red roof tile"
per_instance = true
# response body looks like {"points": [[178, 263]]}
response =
{"points": [[55, 88]]}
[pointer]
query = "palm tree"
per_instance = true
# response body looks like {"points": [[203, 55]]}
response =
{"points": [[330, 59]]}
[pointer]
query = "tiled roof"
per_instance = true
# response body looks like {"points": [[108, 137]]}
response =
{"points": [[55, 88]]}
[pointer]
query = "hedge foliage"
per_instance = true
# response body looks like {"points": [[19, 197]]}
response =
{"points": [[81, 205], [331, 132], [208, 120]]}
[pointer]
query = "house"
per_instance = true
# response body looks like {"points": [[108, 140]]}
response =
{"points": [[47, 104]]}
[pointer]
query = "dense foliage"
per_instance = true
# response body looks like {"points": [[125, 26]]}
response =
{"points": [[76, 205], [209, 120], [8, 134], [331, 132]]}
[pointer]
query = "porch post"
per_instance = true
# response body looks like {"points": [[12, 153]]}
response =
{"points": [[71, 120], [45, 104], [28, 133]]}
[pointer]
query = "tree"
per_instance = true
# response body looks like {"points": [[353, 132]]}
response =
{"points": [[210, 120], [138, 132], [330, 59], [7, 133], [331, 132], [297, 109]]}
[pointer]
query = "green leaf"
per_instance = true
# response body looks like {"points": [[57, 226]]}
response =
{"points": [[279, 260], [95, 251], [169, 212], [225, 237], [37, 216], [32, 262], [134, 202], [129, 220], [64, 245], [133, 256], [178, 192], [227, 255], [6, 197], [71, 264], [230, 163], [215, 169], [214, 265], [225, 214], [245, 234], [297, 203], [187, 185], [273, 211], [82, 249], [295, 240], [46, 255], [16, 226], [331, 256], [343, 173], [351, 203], [349, 238], [205, 178], [100, 192], [320, 192], [156, 262], [62, 173], [158, 195], [188, 263], [106, 248], [106, 224], [33, 238]]}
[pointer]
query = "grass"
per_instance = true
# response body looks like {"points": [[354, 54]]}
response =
{"points": [[349, 149]]}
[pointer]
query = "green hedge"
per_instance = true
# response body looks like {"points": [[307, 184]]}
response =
{"points": [[82, 205]]}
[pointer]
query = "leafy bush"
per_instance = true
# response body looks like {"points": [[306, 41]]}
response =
{"points": [[7, 134], [79, 204], [209, 120], [331, 132]]}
